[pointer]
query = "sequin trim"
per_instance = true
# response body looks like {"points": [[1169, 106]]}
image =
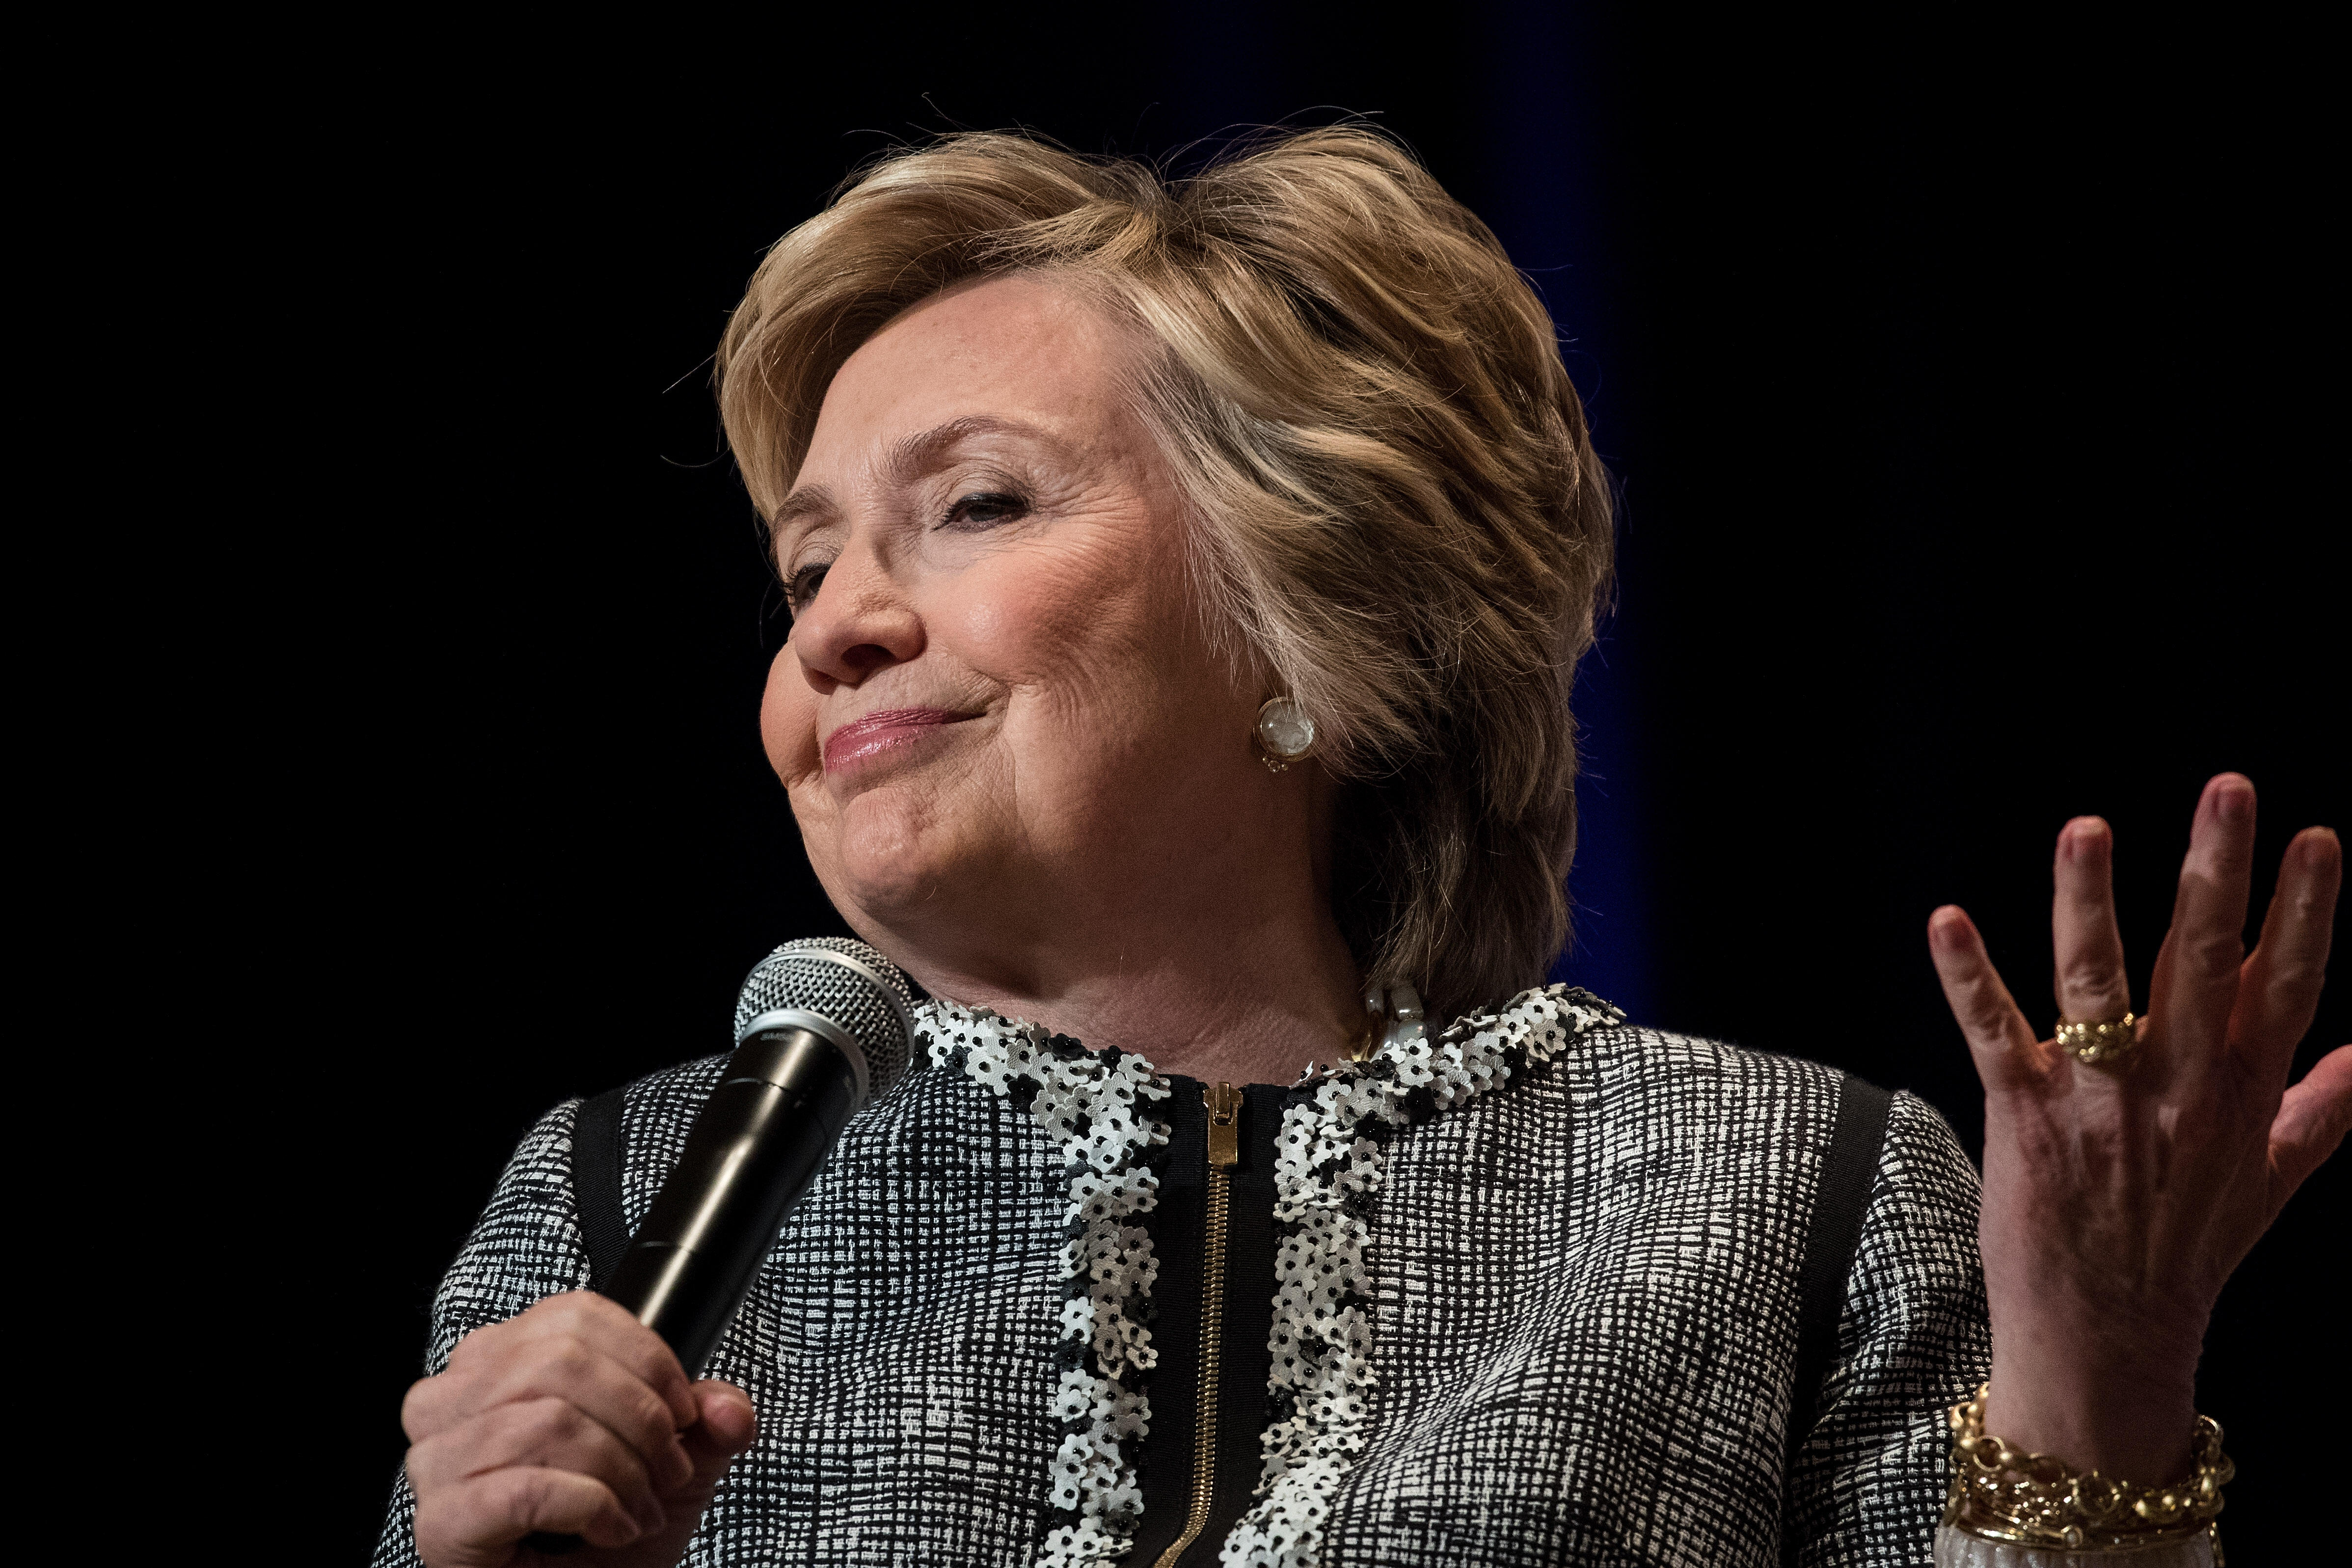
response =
{"points": [[1327, 1169], [1097, 1105]]}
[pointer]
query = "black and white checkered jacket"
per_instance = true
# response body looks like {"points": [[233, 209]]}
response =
{"points": [[1536, 1285]]}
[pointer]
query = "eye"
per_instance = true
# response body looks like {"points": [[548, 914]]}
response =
{"points": [[801, 586], [985, 509]]}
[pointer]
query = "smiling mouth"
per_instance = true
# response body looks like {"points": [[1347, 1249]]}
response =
{"points": [[862, 739]]}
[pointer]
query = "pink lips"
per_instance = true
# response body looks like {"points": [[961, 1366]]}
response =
{"points": [[862, 739]]}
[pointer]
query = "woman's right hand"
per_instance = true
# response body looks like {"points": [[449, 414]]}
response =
{"points": [[574, 1418]]}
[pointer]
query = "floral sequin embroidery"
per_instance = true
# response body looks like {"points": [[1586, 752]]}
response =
{"points": [[1098, 1107]]}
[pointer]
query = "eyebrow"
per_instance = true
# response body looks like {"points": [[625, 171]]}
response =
{"points": [[810, 500], [910, 456]]}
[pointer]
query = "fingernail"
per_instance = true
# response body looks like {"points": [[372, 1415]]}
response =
{"points": [[2237, 803]]}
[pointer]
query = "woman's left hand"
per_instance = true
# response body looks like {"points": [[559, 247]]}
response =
{"points": [[2118, 1198]]}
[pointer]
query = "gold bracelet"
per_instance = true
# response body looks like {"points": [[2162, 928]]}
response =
{"points": [[1999, 1493]]}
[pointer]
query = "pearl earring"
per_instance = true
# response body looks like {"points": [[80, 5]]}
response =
{"points": [[1392, 1017], [1285, 733]]}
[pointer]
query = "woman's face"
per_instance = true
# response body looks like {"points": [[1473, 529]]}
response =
{"points": [[996, 705]]}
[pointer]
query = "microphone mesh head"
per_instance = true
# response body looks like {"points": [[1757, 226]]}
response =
{"points": [[810, 975]]}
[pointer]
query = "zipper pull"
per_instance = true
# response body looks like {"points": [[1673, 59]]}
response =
{"points": [[1224, 1103]]}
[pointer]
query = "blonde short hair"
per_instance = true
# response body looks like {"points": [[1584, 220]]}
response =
{"points": [[1396, 515]]}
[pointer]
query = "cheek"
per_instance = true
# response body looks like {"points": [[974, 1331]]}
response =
{"points": [[1046, 620], [788, 720]]}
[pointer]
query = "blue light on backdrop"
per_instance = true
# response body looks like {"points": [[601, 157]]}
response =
{"points": [[1543, 197]]}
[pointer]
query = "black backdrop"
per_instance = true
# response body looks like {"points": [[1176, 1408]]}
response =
{"points": [[1951, 377]]}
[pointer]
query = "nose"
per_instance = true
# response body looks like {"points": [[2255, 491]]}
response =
{"points": [[861, 621]]}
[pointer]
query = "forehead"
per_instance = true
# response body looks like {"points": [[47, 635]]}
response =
{"points": [[1021, 349]]}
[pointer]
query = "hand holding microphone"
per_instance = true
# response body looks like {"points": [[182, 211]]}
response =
{"points": [[566, 1427], [573, 1425]]}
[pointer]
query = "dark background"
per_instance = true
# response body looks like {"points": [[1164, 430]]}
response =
{"points": [[1957, 374]]}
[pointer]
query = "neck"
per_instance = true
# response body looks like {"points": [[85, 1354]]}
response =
{"points": [[1237, 989]]}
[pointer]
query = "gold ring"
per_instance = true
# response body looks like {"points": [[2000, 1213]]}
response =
{"points": [[2100, 1044]]}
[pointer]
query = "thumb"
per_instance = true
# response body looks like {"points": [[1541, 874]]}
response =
{"points": [[2313, 1118], [725, 1429]]}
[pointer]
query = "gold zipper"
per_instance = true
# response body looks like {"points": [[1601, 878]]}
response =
{"points": [[1224, 1103]]}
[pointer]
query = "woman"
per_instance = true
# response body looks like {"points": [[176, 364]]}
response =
{"points": [[1187, 583]]}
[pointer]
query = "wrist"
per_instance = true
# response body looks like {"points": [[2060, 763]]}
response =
{"points": [[2129, 1421], [2001, 1493], [2103, 1385]]}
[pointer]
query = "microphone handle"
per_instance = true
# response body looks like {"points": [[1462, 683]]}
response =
{"points": [[759, 1141]]}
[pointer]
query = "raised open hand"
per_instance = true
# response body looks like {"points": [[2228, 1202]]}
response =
{"points": [[2118, 1197]]}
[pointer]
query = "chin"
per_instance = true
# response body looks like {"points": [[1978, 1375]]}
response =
{"points": [[886, 856]]}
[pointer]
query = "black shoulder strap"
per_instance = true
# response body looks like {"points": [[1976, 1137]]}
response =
{"points": [[596, 1184], [1848, 1171]]}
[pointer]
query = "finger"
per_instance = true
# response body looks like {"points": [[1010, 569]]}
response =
{"points": [[2196, 980], [563, 1367], [615, 1330], [481, 1520], [480, 1368], [558, 1367], [544, 1434], [1998, 1037], [2311, 1121], [2278, 991], [2091, 984]]}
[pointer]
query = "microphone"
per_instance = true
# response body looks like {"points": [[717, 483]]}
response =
{"points": [[822, 1026]]}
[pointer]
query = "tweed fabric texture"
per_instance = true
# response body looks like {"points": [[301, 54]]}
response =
{"points": [[1581, 1286]]}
